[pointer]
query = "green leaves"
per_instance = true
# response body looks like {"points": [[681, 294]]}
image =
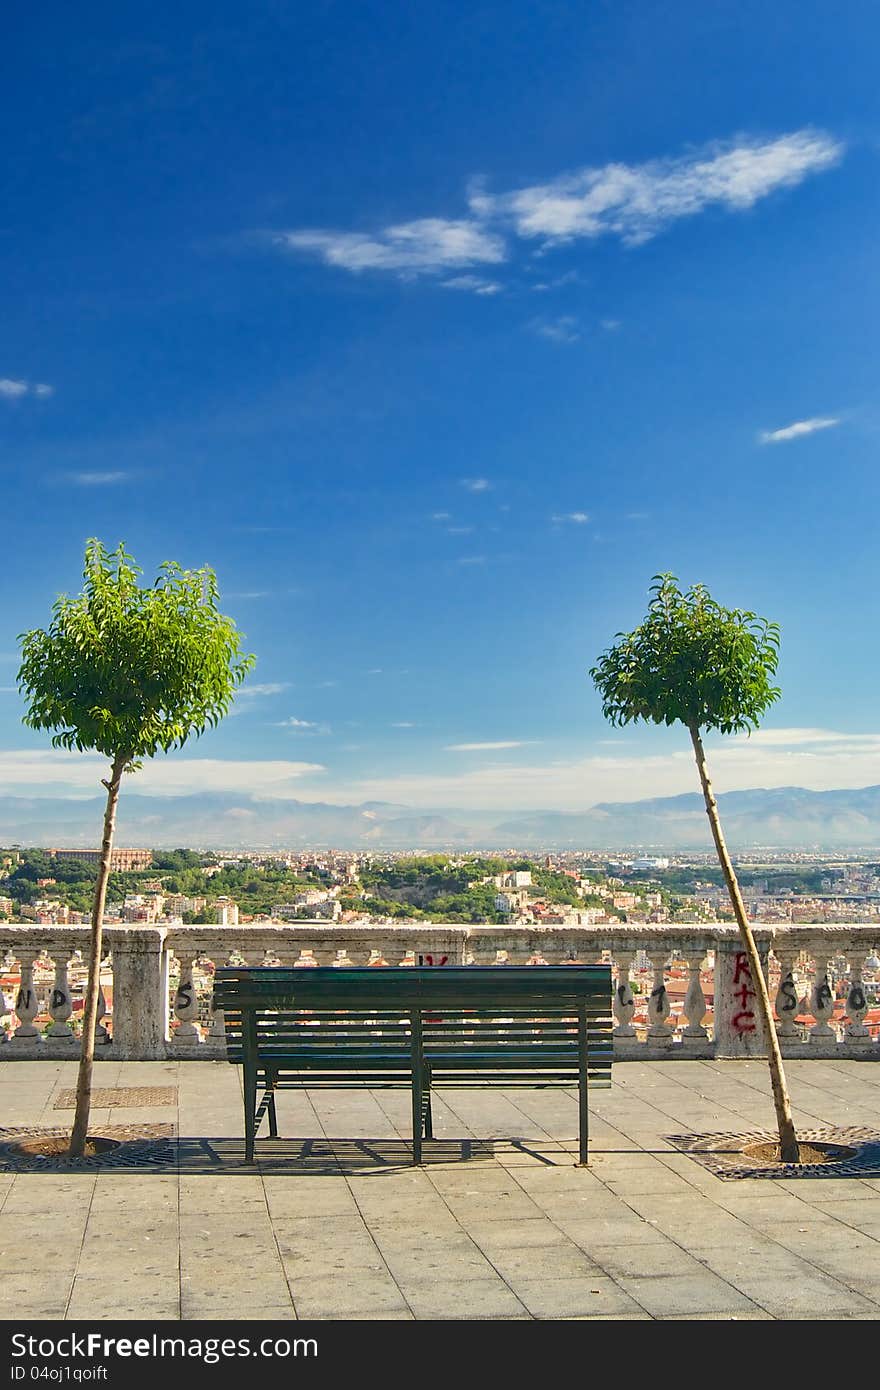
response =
{"points": [[691, 662], [131, 671]]}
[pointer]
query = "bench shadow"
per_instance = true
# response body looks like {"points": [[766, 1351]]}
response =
{"points": [[340, 1156]]}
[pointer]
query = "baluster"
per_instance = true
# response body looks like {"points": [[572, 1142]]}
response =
{"points": [[186, 1004], [409, 958], [821, 1003], [376, 958], [61, 1000], [694, 1008], [101, 1035], [660, 1033], [786, 1002], [342, 958], [624, 1005], [26, 1004], [306, 959], [856, 1034]]}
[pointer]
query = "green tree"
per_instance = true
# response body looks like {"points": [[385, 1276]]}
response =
{"points": [[127, 672], [695, 663]]}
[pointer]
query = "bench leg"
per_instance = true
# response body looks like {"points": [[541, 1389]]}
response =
{"points": [[250, 1114], [273, 1118], [583, 1077], [417, 1103]]}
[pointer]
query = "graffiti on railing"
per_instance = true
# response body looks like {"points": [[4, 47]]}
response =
{"points": [[743, 1020]]}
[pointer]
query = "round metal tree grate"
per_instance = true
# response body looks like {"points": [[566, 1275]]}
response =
{"points": [[134, 1146], [847, 1153]]}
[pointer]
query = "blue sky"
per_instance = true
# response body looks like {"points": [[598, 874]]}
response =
{"points": [[438, 330]]}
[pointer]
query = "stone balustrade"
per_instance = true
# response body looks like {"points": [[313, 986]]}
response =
{"points": [[664, 1005]]}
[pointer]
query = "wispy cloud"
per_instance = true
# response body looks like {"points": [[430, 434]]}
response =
{"points": [[441, 516], [109, 479], [564, 329], [798, 429], [267, 688], [578, 518], [303, 726], [460, 530], [474, 283], [476, 484], [245, 697], [12, 390], [635, 202], [472, 560], [428, 246], [486, 747], [403, 724], [632, 202]]}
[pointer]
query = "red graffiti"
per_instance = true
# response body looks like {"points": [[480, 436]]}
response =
{"points": [[744, 1020], [429, 960]]}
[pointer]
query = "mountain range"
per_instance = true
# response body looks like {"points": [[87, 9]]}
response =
{"points": [[782, 817]]}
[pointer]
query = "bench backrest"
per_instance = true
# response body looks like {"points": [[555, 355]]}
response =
{"points": [[361, 1017]]}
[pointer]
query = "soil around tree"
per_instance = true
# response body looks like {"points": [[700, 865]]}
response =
{"points": [[767, 1152], [57, 1147]]}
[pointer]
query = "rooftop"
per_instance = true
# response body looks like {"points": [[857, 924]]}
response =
{"points": [[332, 1223]]}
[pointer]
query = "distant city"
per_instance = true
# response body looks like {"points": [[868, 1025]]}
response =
{"points": [[559, 888]]}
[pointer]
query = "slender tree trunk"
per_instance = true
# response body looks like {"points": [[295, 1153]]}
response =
{"points": [[90, 1012], [788, 1145]]}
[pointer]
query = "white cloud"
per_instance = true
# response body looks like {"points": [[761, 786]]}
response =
{"points": [[267, 688], [474, 283], [460, 530], [430, 245], [484, 747], [11, 390], [476, 484], [441, 516], [49, 772], [635, 202], [560, 330], [798, 429], [472, 560], [403, 724], [109, 479], [819, 759], [247, 593], [579, 518], [303, 726]]}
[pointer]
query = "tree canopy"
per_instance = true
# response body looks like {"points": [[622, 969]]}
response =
{"points": [[691, 661], [131, 671]]}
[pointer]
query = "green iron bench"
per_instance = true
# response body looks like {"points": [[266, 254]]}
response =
{"points": [[419, 1027]]}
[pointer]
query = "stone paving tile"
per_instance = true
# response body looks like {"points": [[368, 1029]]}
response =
{"points": [[534, 1232], [686, 1294], [814, 1295], [135, 1296], [595, 1296], [367, 1293], [645, 1261], [475, 1299], [544, 1262]]}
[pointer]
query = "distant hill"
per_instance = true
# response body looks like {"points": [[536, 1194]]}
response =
{"points": [[787, 817]]}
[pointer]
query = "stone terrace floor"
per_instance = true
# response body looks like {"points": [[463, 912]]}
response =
{"points": [[343, 1228]]}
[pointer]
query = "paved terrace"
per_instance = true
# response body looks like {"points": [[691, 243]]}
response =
{"points": [[499, 1223]]}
